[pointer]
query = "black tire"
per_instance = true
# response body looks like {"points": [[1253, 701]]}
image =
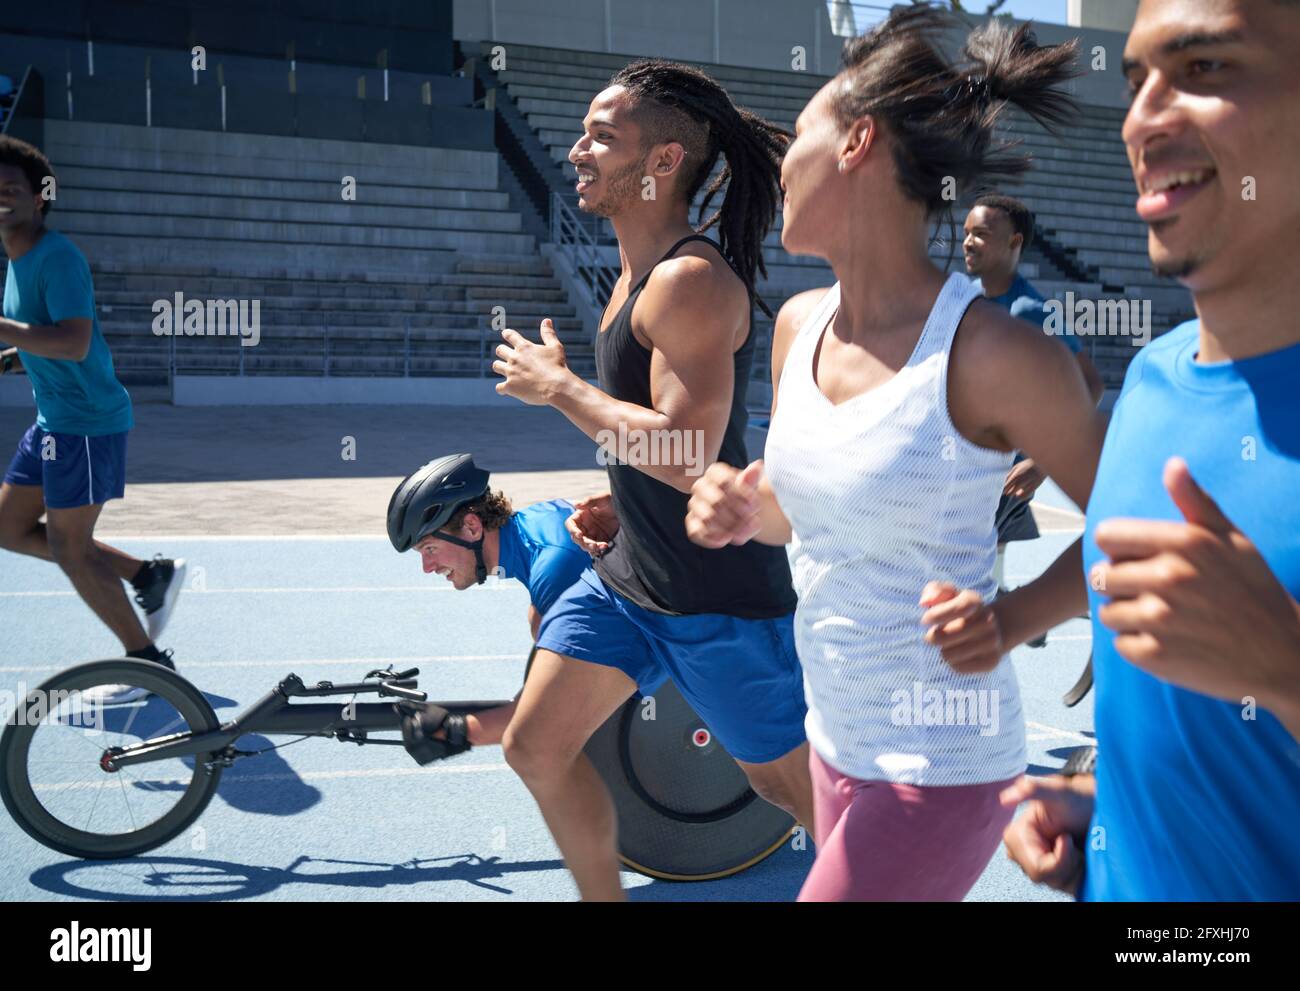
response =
{"points": [[26, 808], [1081, 688], [685, 809]]}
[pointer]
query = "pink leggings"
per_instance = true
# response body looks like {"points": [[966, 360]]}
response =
{"points": [[878, 841]]}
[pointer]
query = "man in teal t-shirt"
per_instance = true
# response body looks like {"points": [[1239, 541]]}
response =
{"points": [[72, 460]]}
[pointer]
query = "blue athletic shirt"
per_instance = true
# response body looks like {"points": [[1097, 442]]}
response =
{"points": [[1195, 802], [536, 549], [51, 282], [1025, 302]]}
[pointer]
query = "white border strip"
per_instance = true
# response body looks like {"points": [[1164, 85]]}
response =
{"points": [[289, 665]]}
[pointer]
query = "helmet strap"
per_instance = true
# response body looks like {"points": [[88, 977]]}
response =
{"points": [[480, 567]]}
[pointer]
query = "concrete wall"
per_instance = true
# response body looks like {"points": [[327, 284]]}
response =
{"points": [[1113, 15], [756, 33], [258, 101]]}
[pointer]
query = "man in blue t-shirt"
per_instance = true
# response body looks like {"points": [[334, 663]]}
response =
{"points": [[72, 460], [998, 230], [483, 538], [1192, 545]]}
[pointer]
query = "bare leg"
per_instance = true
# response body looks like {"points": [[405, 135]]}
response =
{"points": [[70, 534], [563, 702], [786, 783], [21, 508]]}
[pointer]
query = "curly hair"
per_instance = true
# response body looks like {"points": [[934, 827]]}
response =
{"points": [[35, 166], [494, 510]]}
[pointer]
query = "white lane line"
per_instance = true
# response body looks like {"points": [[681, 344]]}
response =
{"points": [[397, 662], [216, 537], [267, 591], [281, 590], [1053, 733], [381, 772]]}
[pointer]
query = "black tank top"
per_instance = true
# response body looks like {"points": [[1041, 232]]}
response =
{"points": [[651, 561]]}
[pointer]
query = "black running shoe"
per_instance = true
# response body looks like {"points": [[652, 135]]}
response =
{"points": [[157, 590], [1039, 641], [119, 694]]}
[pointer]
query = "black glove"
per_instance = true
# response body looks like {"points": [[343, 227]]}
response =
{"points": [[421, 720]]}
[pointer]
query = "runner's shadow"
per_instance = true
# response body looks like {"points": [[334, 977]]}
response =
{"points": [[188, 879]]}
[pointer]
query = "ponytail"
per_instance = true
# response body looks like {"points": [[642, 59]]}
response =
{"points": [[941, 113]]}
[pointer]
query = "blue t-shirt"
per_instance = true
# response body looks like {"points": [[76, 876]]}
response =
{"points": [[536, 549], [52, 283], [1025, 302], [1196, 802]]}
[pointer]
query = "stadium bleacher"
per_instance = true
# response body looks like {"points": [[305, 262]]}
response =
{"points": [[406, 279], [424, 253]]}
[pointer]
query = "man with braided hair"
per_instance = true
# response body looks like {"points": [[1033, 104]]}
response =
{"points": [[673, 355]]}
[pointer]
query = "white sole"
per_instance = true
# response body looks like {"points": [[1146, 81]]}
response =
{"points": [[157, 621]]}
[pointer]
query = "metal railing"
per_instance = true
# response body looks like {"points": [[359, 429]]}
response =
{"points": [[572, 236], [26, 117]]}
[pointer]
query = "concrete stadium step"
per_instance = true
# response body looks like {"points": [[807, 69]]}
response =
{"points": [[797, 86], [564, 60], [1036, 187], [133, 321], [332, 213], [545, 85], [273, 259], [130, 147], [158, 226], [80, 177]]}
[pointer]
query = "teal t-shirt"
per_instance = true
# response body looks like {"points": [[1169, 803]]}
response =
{"points": [[536, 549], [1024, 302], [1198, 799], [51, 282]]}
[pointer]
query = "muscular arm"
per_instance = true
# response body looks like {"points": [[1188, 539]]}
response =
{"points": [[689, 311], [68, 339], [1091, 377], [1011, 388]]}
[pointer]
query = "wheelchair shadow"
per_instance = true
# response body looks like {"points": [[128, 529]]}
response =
{"points": [[265, 784], [193, 879]]}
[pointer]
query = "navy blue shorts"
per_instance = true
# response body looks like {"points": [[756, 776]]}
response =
{"points": [[741, 676], [72, 470]]}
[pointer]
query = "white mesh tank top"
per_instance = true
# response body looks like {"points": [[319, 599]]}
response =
{"points": [[883, 494]]}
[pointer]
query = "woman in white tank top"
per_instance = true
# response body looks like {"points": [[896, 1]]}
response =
{"points": [[898, 400]]}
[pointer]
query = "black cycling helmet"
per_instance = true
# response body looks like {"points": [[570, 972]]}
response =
{"points": [[429, 497]]}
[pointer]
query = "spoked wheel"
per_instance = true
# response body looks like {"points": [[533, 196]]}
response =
{"points": [[55, 783], [685, 810]]}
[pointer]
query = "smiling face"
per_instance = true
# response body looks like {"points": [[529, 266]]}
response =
{"points": [[1216, 86], [19, 203], [609, 157], [991, 246], [813, 209], [454, 563]]}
